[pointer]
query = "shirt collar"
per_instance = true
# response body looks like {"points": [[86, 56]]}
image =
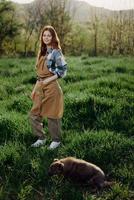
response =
{"points": [[49, 50]]}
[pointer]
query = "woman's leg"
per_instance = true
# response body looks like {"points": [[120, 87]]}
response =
{"points": [[54, 127], [36, 119], [37, 126]]}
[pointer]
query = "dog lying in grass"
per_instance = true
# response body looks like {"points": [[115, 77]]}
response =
{"points": [[80, 171]]}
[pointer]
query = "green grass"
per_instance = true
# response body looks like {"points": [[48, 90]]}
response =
{"points": [[98, 126]]}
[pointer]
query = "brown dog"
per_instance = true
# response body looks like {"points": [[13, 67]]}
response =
{"points": [[80, 171]]}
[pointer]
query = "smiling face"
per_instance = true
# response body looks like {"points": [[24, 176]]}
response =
{"points": [[47, 38]]}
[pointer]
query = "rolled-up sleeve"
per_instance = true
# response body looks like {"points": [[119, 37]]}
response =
{"points": [[60, 64]]}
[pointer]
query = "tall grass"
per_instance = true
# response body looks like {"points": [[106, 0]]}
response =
{"points": [[98, 126]]}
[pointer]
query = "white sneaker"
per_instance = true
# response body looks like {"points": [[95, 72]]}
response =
{"points": [[38, 143], [54, 145]]}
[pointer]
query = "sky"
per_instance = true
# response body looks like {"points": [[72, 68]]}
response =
{"points": [[113, 4], [110, 4], [23, 1]]}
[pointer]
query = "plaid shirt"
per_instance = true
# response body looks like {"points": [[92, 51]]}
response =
{"points": [[56, 62]]}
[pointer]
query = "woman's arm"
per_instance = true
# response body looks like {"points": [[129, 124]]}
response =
{"points": [[48, 80], [61, 65], [57, 59]]}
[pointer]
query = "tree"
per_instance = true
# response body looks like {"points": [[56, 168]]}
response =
{"points": [[58, 17], [93, 26], [52, 12], [8, 24]]}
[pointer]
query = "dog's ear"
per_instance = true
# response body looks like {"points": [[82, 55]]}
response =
{"points": [[55, 159]]}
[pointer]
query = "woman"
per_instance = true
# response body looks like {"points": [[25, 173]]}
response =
{"points": [[47, 95]]}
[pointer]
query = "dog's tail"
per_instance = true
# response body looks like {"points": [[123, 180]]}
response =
{"points": [[108, 183]]}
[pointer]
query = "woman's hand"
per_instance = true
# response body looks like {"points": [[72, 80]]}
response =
{"points": [[46, 81], [50, 79], [39, 84]]}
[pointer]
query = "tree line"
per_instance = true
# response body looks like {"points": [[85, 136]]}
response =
{"points": [[20, 31]]}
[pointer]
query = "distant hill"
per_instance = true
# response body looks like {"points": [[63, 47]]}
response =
{"points": [[81, 11]]}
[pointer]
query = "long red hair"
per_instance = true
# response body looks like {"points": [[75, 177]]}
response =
{"points": [[55, 41]]}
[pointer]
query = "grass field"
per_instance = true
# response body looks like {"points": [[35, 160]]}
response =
{"points": [[98, 126]]}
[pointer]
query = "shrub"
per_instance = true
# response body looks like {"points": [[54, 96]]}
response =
{"points": [[21, 104], [82, 112], [14, 127]]}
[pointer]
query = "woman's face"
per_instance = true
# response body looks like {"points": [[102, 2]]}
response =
{"points": [[47, 37]]}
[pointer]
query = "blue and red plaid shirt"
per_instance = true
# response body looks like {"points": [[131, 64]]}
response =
{"points": [[56, 62]]}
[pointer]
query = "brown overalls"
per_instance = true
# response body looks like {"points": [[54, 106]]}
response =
{"points": [[47, 102]]}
